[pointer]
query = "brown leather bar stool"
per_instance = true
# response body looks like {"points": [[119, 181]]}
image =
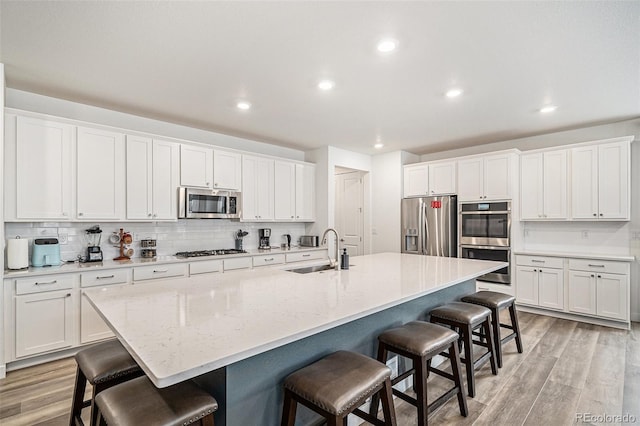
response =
{"points": [[465, 318], [420, 341], [496, 302], [139, 402], [103, 365], [336, 386]]}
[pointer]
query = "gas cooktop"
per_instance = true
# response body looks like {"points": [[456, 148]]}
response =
{"points": [[200, 253]]}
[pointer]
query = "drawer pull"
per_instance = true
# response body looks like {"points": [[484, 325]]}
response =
{"points": [[537, 261], [269, 259], [105, 277], [306, 255], [599, 276], [160, 271], [596, 266], [68, 294], [49, 282]]}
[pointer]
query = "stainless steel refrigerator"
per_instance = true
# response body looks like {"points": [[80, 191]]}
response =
{"points": [[430, 226]]}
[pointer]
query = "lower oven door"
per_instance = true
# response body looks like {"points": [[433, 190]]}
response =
{"points": [[498, 254]]}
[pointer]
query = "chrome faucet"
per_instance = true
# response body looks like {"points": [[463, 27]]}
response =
{"points": [[324, 241]]}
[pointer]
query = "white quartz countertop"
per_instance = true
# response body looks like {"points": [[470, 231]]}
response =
{"points": [[619, 258], [138, 261], [177, 329]]}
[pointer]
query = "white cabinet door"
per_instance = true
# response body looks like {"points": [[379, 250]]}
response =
{"points": [[612, 290], [582, 292], [527, 285], [442, 178], [584, 182], [551, 288], [497, 177], [555, 185], [613, 181], [227, 170], [285, 190], [257, 188], [416, 180], [44, 322], [139, 177], [101, 188], [531, 186], [196, 166], [165, 180], [44, 159], [305, 192], [470, 179], [92, 326]]}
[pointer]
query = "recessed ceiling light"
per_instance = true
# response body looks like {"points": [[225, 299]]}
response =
{"points": [[548, 108], [452, 93], [378, 145], [387, 45], [326, 85], [243, 105]]}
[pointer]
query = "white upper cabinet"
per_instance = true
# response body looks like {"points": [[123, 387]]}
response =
{"points": [[543, 185], [600, 181], [152, 179], [305, 192], [485, 178], [257, 189], [44, 165], [100, 175], [285, 190], [227, 170], [196, 166], [425, 179]]}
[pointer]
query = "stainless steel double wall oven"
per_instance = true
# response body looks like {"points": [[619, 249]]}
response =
{"points": [[484, 231]]}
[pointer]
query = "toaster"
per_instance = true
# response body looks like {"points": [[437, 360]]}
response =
{"points": [[46, 252], [309, 241]]}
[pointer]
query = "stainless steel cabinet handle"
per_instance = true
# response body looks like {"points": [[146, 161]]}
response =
{"points": [[68, 295], [269, 259], [592, 275], [600, 214], [538, 261], [149, 215], [595, 266], [105, 277], [48, 282], [160, 271], [80, 214], [599, 276], [215, 184], [535, 270], [595, 214], [306, 255]]}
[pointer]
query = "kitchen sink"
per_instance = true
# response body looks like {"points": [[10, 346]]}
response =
{"points": [[309, 269]]}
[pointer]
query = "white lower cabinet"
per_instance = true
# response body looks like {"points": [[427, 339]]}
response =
{"points": [[599, 288], [44, 322], [540, 281]]}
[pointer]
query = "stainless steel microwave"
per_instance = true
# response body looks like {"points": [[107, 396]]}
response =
{"points": [[198, 203]]}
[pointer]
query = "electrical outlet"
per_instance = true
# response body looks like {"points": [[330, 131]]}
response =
{"points": [[585, 234], [63, 239], [635, 235]]}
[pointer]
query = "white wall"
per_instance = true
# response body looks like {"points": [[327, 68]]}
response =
{"points": [[72, 110]]}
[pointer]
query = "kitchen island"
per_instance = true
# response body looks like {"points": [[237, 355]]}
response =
{"points": [[239, 334]]}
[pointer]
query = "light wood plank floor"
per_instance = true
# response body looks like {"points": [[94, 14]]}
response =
{"points": [[566, 368]]}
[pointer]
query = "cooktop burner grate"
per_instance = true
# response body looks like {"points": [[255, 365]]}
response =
{"points": [[200, 253]]}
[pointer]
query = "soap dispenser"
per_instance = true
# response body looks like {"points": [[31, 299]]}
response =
{"points": [[344, 260]]}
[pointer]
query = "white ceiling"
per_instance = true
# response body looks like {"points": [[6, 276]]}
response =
{"points": [[189, 62]]}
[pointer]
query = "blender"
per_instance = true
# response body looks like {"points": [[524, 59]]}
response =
{"points": [[93, 236]]}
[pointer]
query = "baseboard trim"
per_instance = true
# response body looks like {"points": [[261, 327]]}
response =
{"points": [[574, 317]]}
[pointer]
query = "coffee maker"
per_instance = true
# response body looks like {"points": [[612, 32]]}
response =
{"points": [[264, 234]]}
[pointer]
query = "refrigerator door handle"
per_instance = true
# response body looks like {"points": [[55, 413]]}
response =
{"points": [[425, 227]]}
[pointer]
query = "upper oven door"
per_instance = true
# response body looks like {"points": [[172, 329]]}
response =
{"points": [[487, 224]]}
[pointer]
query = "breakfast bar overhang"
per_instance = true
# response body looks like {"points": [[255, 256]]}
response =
{"points": [[240, 334]]}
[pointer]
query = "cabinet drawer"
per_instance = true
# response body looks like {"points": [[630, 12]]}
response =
{"points": [[237, 263], [599, 266], [306, 255], [270, 259], [44, 283], [112, 276], [159, 271], [205, 267], [547, 262]]}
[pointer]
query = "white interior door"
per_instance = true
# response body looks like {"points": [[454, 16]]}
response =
{"points": [[349, 211]]}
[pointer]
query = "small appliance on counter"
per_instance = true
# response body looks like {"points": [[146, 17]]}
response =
{"points": [[309, 241], [264, 235], [148, 250], [239, 236], [17, 253], [46, 252], [93, 236], [287, 245]]}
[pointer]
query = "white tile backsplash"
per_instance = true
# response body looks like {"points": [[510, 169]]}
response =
{"points": [[578, 237], [183, 235]]}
